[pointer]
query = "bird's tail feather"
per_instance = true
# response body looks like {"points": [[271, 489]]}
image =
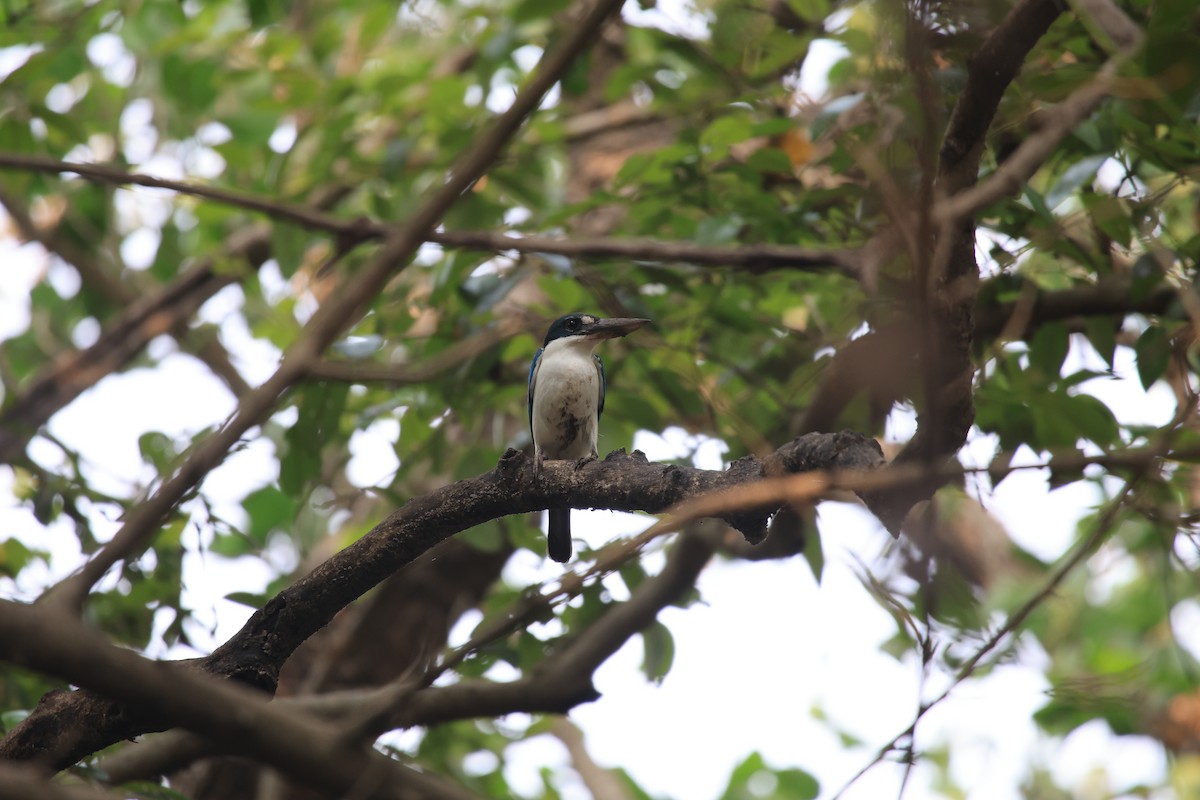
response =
{"points": [[558, 544]]}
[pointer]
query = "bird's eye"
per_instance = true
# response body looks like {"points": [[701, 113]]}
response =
{"points": [[573, 324]]}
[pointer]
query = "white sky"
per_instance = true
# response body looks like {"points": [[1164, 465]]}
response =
{"points": [[765, 650]]}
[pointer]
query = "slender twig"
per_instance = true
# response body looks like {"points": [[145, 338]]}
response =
{"points": [[750, 257], [1014, 621], [277, 209]]}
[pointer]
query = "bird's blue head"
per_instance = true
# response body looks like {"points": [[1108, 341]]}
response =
{"points": [[592, 328]]}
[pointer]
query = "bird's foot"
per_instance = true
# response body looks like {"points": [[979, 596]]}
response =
{"points": [[537, 461], [583, 462]]}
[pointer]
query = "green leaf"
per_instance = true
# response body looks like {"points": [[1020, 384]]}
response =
{"points": [[1048, 350], [658, 651], [9, 719], [249, 599], [725, 131], [796, 784], [810, 10], [231, 545], [771, 160], [1075, 176], [1094, 420], [157, 450], [1111, 216], [191, 83], [1038, 203], [269, 509], [321, 406], [15, 556], [814, 553], [1153, 350], [1102, 333], [538, 9]]}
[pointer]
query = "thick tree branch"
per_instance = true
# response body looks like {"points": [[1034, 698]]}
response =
{"points": [[563, 678], [240, 719], [884, 362], [255, 654], [968, 197], [339, 312], [1111, 296], [26, 783]]}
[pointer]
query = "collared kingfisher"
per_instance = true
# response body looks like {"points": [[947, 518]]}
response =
{"points": [[566, 398]]}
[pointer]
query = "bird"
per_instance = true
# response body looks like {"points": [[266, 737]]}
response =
{"points": [[566, 399]]}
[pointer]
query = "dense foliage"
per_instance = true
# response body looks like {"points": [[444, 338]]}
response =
{"points": [[989, 218]]}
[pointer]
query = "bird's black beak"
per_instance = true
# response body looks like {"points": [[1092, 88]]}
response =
{"points": [[615, 327]]}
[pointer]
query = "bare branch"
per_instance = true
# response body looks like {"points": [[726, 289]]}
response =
{"points": [[990, 70], [1056, 124], [1123, 33], [752, 257], [306, 217]]}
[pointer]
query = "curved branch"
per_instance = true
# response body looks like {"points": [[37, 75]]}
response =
{"points": [[84, 722], [564, 680]]}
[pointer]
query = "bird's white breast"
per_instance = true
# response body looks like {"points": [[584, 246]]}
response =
{"points": [[566, 399]]}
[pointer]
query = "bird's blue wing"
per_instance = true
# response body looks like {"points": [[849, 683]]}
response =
{"points": [[532, 379], [600, 372]]}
